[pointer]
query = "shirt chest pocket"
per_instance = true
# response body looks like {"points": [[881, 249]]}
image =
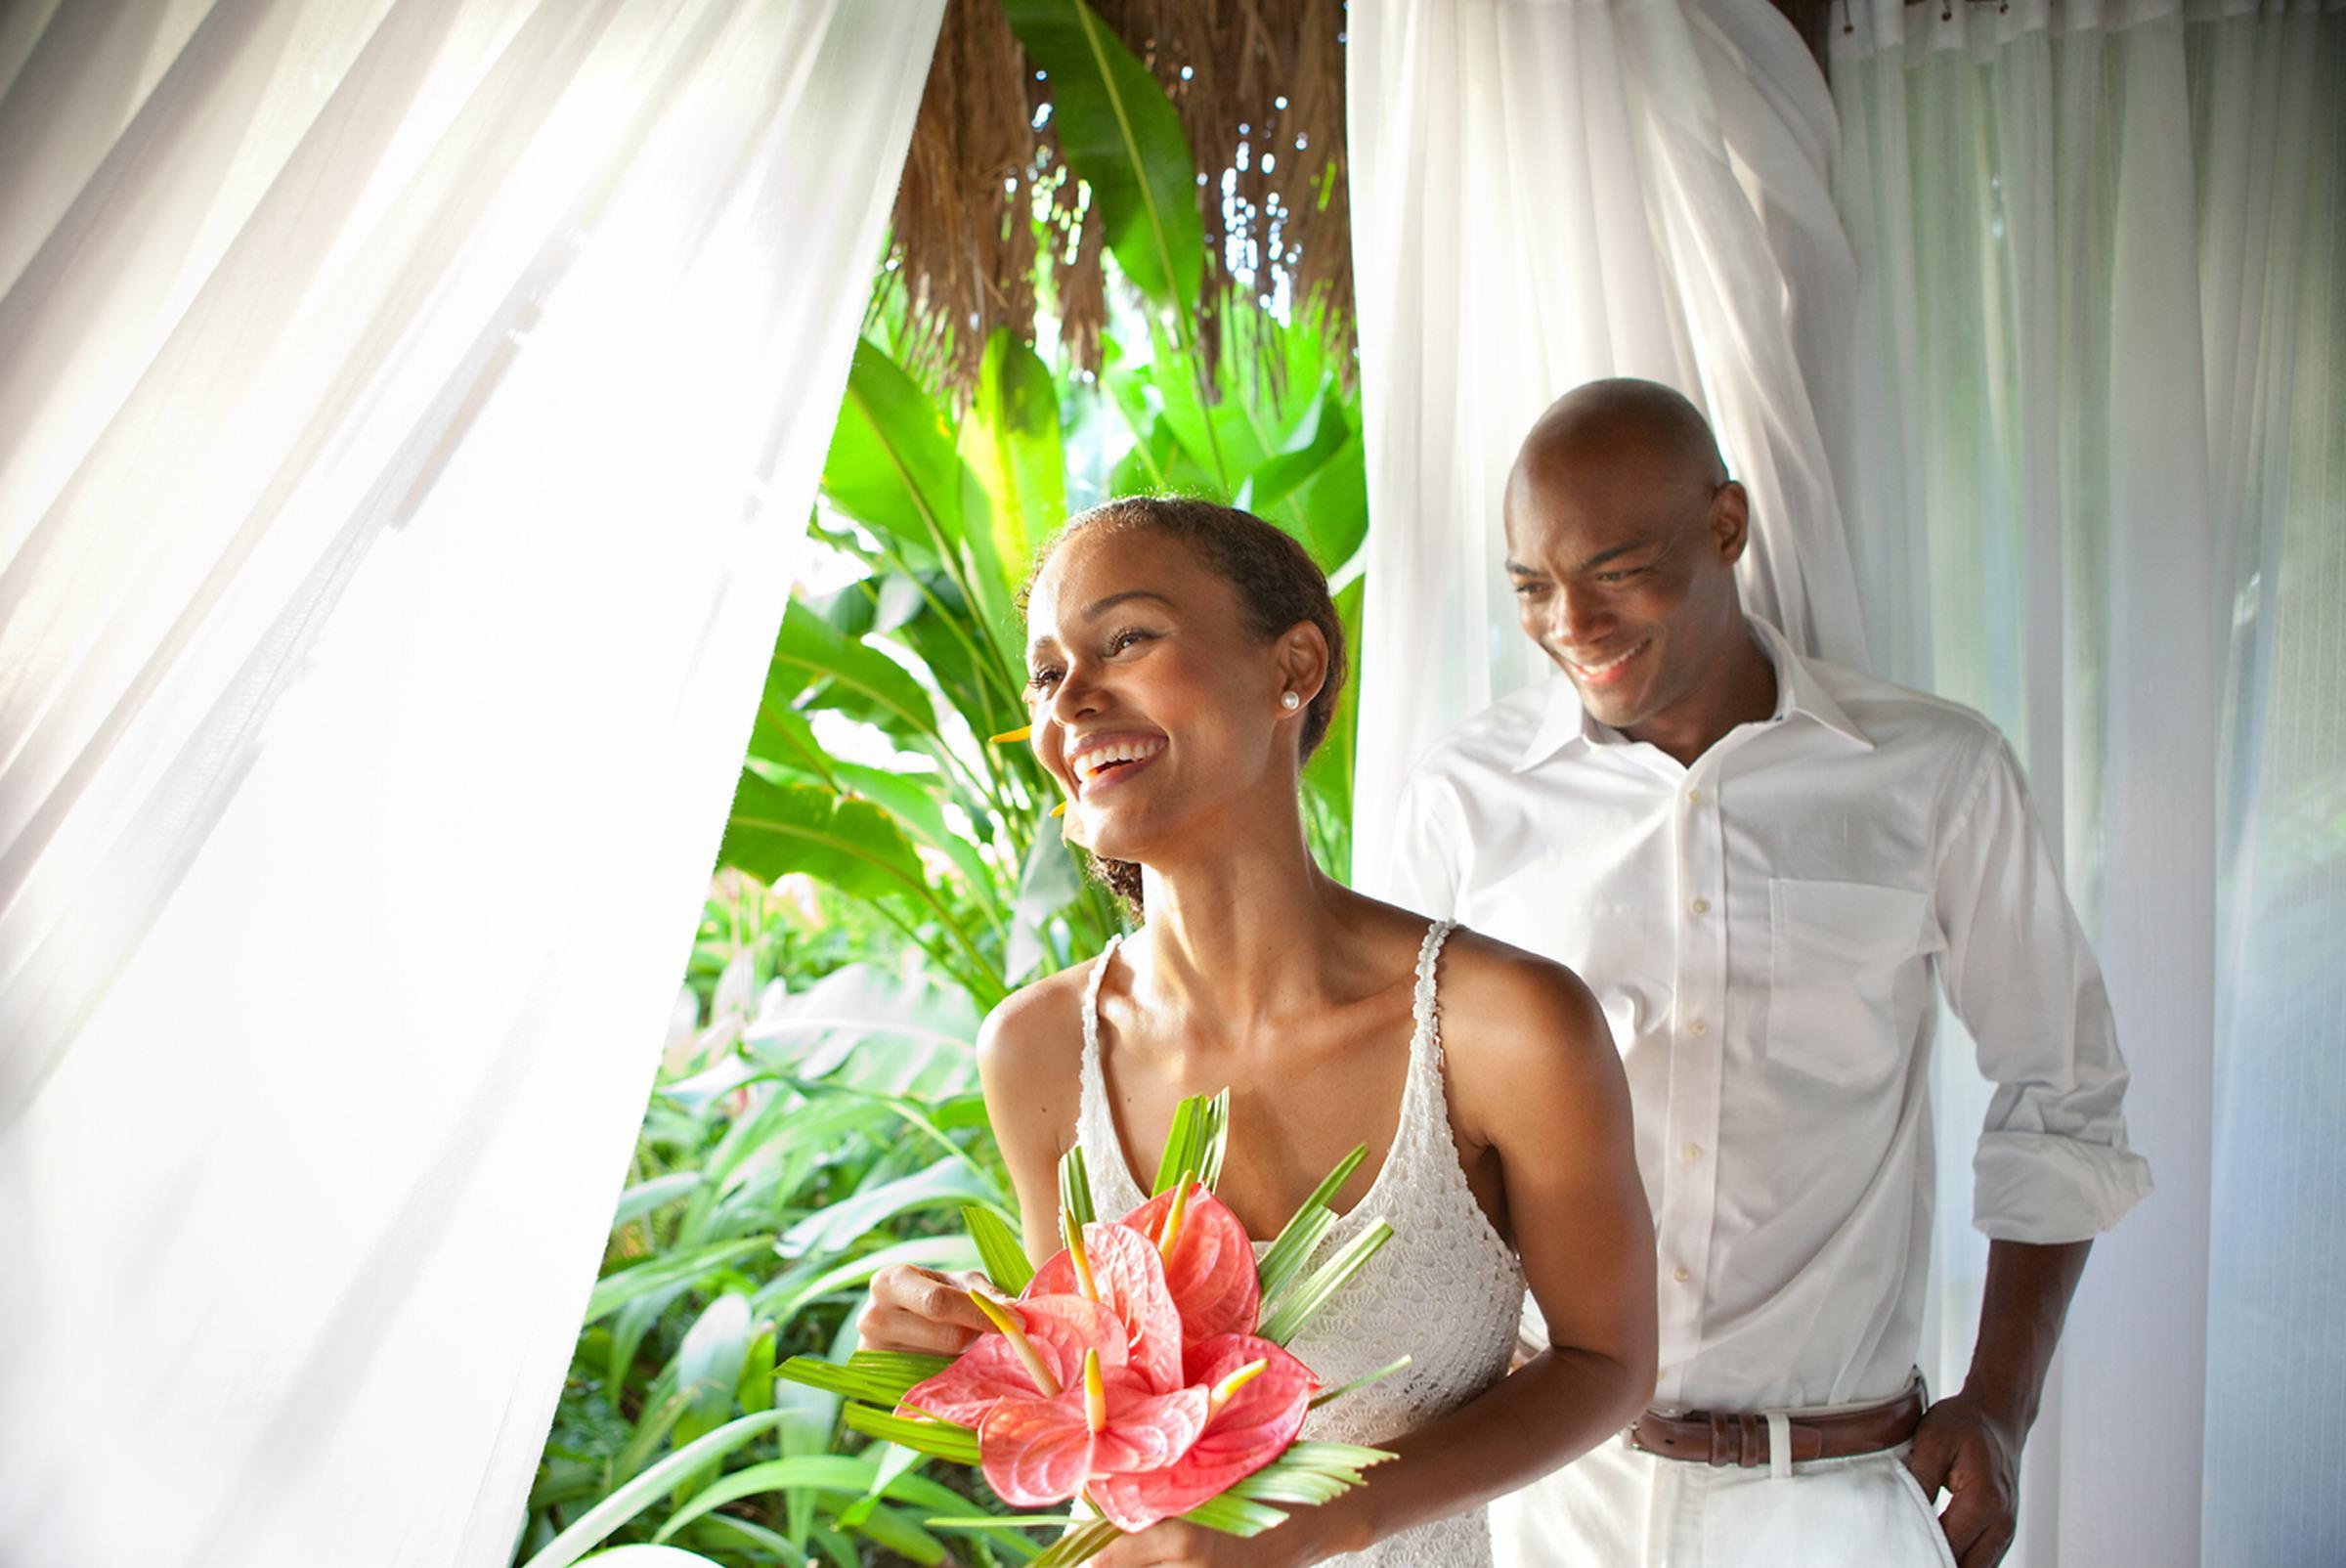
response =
{"points": [[1839, 953]]}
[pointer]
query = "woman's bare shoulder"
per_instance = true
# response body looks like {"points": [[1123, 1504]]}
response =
{"points": [[1509, 1011], [1030, 1051]]}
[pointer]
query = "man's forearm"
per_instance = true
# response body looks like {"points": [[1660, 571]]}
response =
{"points": [[2029, 1291]]}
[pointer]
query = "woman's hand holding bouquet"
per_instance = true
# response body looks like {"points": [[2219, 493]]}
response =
{"points": [[1136, 1370]]}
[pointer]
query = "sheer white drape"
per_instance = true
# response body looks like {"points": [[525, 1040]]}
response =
{"points": [[1547, 192], [409, 410], [2099, 483]]}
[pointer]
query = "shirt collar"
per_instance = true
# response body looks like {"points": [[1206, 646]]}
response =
{"points": [[1564, 723]]}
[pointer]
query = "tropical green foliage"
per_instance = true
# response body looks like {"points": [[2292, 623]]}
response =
{"points": [[800, 1143], [888, 876]]}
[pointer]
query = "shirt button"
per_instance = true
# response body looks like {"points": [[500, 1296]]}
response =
{"points": [[1698, 1028], [1700, 906], [1681, 1274], [1694, 797], [1694, 1151]]}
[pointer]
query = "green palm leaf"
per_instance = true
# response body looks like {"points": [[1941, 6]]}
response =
{"points": [[851, 843], [1119, 132]]}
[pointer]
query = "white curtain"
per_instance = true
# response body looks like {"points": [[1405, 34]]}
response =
{"points": [[1545, 192], [409, 413], [2099, 491]]}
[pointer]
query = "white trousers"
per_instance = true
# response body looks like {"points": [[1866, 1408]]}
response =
{"points": [[1615, 1508]]}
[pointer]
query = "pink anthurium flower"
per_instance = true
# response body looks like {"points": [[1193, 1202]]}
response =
{"points": [[1257, 1396], [1209, 1262], [1035, 1351], [1037, 1452], [1118, 1267]]}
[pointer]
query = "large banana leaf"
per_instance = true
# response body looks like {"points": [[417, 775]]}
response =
{"points": [[1316, 487], [1017, 453], [1120, 134], [850, 843], [891, 466], [918, 806], [816, 666]]}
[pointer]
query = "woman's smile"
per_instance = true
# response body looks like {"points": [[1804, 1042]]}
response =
{"points": [[1103, 761]]}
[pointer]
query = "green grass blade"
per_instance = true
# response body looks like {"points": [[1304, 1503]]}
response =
{"points": [[1075, 1187], [630, 1499], [895, 1531], [1325, 1195], [1005, 1521], [828, 1471], [1181, 1139], [1302, 1303], [1079, 1545], [1309, 1223], [1360, 1383], [1194, 1143], [773, 1543], [957, 1444], [1235, 1516], [1306, 1489], [998, 1250], [615, 1290], [1309, 1474], [1217, 1140], [875, 1376], [1303, 1233], [1328, 1456]]}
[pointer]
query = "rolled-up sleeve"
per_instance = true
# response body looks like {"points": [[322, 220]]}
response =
{"points": [[2052, 1165]]}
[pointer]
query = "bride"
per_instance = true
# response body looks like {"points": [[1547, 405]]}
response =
{"points": [[1185, 660]]}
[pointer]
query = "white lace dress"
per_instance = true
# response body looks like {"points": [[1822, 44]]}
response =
{"points": [[1446, 1291]]}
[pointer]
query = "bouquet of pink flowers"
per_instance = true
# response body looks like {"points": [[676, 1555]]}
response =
{"points": [[1143, 1369]]}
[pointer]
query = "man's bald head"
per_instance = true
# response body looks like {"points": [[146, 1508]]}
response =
{"points": [[1623, 532], [1621, 426]]}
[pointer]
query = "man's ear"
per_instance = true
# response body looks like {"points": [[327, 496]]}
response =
{"points": [[1730, 521], [1303, 661]]}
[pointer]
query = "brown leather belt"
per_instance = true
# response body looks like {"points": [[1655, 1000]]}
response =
{"points": [[1740, 1437]]}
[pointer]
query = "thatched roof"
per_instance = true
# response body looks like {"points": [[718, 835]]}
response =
{"points": [[1246, 77]]}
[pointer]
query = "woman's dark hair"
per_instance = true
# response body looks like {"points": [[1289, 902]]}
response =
{"points": [[1278, 581]]}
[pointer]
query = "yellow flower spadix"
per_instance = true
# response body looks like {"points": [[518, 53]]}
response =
{"points": [[1221, 1392], [1076, 1255], [1004, 1319], [1095, 1392], [1174, 1216], [1011, 737]]}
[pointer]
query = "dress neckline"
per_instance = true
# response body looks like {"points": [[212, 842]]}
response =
{"points": [[1424, 1056]]}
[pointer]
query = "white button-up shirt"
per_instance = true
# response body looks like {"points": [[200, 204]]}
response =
{"points": [[1769, 931]]}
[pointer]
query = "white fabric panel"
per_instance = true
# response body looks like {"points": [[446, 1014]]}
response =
{"points": [[2076, 230], [409, 413], [1548, 192], [2274, 293]]}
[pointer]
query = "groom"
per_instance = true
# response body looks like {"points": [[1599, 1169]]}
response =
{"points": [[1769, 868]]}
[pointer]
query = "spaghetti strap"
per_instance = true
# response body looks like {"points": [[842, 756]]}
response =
{"points": [[1113, 1190]]}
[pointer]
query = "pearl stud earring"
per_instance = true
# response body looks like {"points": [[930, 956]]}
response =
{"points": [[1289, 701]]}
